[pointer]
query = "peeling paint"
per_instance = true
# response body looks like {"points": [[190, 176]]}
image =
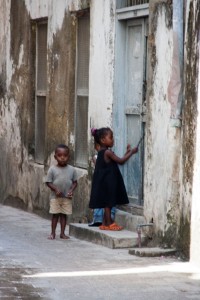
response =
{"points": [[169, 152], [190, 135], [162, 141]]}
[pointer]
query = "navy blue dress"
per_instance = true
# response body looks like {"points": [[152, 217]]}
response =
{"points": [[108, 189]]}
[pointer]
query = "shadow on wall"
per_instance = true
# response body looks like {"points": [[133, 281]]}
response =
{"points": [[15, 202], [80, 204]]}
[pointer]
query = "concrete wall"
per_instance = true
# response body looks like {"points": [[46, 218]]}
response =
{"points": [[170, 150], [101, 63], [168, 181], [163, 151], [22, 182], [192, 120]]}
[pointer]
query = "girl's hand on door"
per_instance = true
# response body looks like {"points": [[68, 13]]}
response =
{"points": [[135, 150], [128, 148]]}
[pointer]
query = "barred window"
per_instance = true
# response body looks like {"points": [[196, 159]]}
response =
{"points": [[40, 93], [82, 91], [128, 3]]}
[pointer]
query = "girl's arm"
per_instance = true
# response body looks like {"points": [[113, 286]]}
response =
{"points": [[94, 159], [128, 148], [109, 155]]}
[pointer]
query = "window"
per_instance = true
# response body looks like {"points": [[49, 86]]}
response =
{"points": [[82, 91], [128, 3], [40, 92]]}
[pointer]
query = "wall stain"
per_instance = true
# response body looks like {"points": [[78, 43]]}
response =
{"points": [[61, 93], [21, 82], [190, 117], [190, 105], [3, 81]]}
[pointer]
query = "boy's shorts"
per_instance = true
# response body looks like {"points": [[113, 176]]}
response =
{"points": [[61, 206]]}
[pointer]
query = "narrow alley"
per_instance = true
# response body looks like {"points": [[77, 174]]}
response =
{"points": [[33, 267]]}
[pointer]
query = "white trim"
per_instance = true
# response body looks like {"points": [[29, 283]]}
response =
{"points": [[136, 11]]}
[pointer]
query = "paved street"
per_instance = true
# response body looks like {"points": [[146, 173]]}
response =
{"points": [[33, 267]]}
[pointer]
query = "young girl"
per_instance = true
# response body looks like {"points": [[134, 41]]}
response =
{"points": [[98, 213], [108, 189]]}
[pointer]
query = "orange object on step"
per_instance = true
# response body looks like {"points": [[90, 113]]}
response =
{"points": [[115, 227]]}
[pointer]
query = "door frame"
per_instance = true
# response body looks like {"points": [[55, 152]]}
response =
{"points": [[119, 120]]}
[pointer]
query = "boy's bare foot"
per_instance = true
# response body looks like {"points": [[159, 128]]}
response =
{"points": [[63, 236], [51, 237]]}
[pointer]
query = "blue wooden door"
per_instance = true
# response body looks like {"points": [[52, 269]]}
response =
{"points": [[135, 82], [130, 110]]}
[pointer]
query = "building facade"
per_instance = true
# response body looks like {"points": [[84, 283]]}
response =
{"points": [[67, 66]]}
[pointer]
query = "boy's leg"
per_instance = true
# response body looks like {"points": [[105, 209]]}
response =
{"points": [[63, 221], [54, 222]]}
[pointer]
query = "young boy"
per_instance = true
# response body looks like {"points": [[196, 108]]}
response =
{"points": [[62, 180]]}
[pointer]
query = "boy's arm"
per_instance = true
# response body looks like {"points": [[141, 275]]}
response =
{"points": [[72, 188], [54, 189]]}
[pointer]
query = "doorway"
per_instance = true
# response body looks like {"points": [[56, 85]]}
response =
{"points": [[130, 101]]}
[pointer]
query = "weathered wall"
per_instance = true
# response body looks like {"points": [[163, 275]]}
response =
{"points": [[101, 63], [191, 141], [18, 188], [168, 167], [189, 121], [162, 161], [22, 183]]}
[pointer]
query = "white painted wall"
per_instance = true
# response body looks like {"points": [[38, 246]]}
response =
{"points": [[101, 63], [37, 8], [162, 140], [101, 80], [195, 216], [195, 219], [162, 161]]}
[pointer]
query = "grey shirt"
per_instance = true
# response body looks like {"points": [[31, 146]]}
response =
{"points": [[62, 178]]}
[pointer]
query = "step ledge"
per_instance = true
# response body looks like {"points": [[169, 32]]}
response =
{"points": [[152, 252], [110, 239]]}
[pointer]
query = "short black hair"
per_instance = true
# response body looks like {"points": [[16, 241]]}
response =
{"points": [[62, 146]]}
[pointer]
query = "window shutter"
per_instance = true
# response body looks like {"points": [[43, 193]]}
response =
{"points": [[82, 83], [41, 85]]}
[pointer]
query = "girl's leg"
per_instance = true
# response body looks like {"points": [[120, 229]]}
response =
{"points": [[104, 218], [63, 221], [107, 216], [108, 223], [54, 222]]}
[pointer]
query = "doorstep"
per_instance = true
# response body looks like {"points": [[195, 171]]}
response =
{"points": [[107, 238]]}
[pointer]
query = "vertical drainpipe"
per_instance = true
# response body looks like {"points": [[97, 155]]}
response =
{"points": [[178, 41]]}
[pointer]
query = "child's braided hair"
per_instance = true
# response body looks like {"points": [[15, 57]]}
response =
{"points": [[100, 133]]}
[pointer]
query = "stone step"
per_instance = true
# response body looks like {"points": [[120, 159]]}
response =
{"points": [[131, 208], [152, 252], [110, 239], [128, 221]]}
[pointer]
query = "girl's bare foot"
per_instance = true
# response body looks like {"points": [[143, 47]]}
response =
{"points": [[63, 236], [51, 237]]}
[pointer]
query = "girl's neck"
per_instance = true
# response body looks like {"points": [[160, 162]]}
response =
{"points": [[104, 147]]}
